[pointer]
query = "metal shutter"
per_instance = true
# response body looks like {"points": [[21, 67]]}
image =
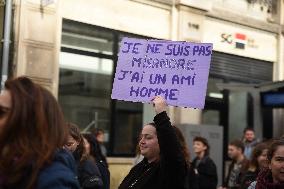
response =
{"points": [[241, 69]]}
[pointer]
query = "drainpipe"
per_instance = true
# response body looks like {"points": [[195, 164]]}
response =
{"points": [[6, 41]]}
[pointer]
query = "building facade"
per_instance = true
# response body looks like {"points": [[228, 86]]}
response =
{"points": [[71, 48], [1, 26]]}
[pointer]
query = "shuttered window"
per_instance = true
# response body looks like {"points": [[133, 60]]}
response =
{"points": [[242, 69]]}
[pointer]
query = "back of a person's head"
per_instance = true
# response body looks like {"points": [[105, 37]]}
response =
{"points": [[183, 144], [238, 144], [33, 131], [204, 141]]}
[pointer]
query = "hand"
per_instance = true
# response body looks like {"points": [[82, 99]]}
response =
{"points": [[159, 104]]}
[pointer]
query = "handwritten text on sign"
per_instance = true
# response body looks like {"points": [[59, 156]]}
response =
{"points": [[176, 70]]}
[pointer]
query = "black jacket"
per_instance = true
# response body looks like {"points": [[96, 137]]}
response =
{"points": [[244, 168], [89, 175], [249, 177], [169, 172], [205, 173], [101, 162]]}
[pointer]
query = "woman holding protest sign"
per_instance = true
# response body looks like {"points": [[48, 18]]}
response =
{"points": [[164, 165]]}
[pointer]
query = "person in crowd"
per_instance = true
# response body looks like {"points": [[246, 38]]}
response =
{"points": [[183, 144], [96, 149], [93, 150], [100, 137], [249, 141], [32, 135], [203, 166], [273, 176], [258, 162], [164, 165], [191, 181], [238, 167], [88, 173]]}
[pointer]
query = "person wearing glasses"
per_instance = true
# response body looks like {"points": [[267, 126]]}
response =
{"points": [[32, 134], [89, 175], [164, 165]]}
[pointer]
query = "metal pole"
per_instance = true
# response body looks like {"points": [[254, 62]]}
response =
{"points": [[89, 126], [6, 42]]}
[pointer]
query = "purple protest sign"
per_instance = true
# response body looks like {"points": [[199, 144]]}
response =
{"points": [[178, 71]]}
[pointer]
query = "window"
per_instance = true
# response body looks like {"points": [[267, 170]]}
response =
{"points": [[87, 65]]}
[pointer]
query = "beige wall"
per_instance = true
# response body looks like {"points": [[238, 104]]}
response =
{"points": [[258, 44], [129, 16], [243, 8], [119, 168], [37, 42]]}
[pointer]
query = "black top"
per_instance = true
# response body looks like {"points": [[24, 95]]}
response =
{"points": [[244, 167], [249, 177], [205, 172], [89, 175], [169, 172]]}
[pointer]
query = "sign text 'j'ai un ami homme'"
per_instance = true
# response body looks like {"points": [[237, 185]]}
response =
{"points": [[176, 70]]}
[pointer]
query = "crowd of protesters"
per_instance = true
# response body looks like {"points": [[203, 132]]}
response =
{"points": [[254, 164], [40, 150]]}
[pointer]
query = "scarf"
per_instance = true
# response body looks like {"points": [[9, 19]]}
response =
{"points": [[265, 181]]}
